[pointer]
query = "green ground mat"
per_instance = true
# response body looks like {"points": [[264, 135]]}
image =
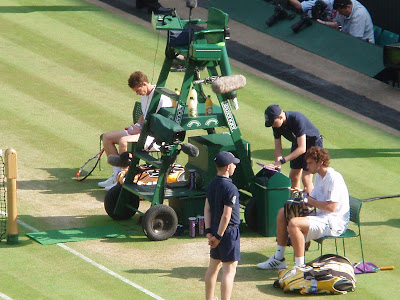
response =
{"points": [[75, 234], [332, 44]]}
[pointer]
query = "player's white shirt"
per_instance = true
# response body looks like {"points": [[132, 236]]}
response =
{"points": [[333, 188]]}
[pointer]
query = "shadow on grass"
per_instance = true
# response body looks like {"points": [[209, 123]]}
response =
{"points": [[268, 154], [22, 241], [62, 181], [133, 229], [244, 273], [34, 8], [391, 222]]}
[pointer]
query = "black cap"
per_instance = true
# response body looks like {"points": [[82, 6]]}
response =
{"points": [[225, 158], [271, 113]]}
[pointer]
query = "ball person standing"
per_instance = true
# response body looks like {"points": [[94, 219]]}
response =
{"points": [[221, 219]]}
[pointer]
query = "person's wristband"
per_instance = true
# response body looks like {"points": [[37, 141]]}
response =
{"points": [[138, 125], [282, 160], [207, 230], [218, 237], [305, 200]]}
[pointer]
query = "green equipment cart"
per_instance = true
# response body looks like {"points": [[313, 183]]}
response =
{"points": [[205, 51]]}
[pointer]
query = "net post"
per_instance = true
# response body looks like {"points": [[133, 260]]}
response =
{"points": [[11, 176]]}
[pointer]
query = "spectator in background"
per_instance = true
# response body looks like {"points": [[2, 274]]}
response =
{"points": [[354, 19], [306, 6], [153, 6]]}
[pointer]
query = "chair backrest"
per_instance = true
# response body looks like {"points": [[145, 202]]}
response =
{"points": [[388, 38], [355, 208], [137, 111], [377, 34], [217, 19]]}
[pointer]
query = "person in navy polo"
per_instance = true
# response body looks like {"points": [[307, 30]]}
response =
{"points": [[298, 129], [221, 219]]}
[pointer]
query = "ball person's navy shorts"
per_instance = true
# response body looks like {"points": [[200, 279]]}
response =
{"points": [[229, 247], [300, 162]]}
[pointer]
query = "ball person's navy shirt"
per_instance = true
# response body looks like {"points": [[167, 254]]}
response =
{"points": [[221, 191], [296, 125]]}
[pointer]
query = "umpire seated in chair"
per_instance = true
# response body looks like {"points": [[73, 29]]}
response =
{"points": [[331, 199]]}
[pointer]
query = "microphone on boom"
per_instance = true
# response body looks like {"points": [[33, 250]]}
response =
{"points": [[190, 149], [227, 84], [191, 3]]}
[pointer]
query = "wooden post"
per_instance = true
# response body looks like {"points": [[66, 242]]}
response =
{"points": [[11, 175]]}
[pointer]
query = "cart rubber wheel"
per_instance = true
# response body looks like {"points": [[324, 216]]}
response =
{"points": [[110, 201], [250, 214], [159, 222]]}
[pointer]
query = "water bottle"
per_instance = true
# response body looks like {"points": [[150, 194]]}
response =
{"points": [[193, 94], [192, 107], [314, 288], [173, 100], [234, 103], [209, 106]]}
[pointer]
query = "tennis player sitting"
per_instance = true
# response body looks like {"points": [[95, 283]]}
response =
{"points": [[329, 196], [139, 83]]}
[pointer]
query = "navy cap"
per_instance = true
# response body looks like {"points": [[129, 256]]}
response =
{"points": [[271, 113], [225, 158]]}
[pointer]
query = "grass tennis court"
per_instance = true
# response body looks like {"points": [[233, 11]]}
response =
{"points": [[64, 70]]}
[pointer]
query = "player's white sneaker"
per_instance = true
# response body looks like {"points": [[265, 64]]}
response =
{"points": [[112, 179], [272, 263]]}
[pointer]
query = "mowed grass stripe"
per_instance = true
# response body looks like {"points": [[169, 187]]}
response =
{"points": [[102, 25], [66, 79], [87, 18], [56, 37], [67, 91], [35, 122], [88, 109], [67, 277]]}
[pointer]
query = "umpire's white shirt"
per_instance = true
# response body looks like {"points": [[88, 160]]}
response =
{"points": [[145, 101]]}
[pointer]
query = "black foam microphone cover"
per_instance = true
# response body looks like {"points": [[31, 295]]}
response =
{"points": [[190, 149]]}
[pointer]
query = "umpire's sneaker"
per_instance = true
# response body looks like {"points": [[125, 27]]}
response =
{"points": [[109, 187], [112, 179], [272, 263]]}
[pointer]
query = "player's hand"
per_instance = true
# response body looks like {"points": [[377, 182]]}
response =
{"points": [[213, 242], [133, 129]]}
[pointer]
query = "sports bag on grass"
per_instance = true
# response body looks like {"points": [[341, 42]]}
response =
{"points": [[330, 273]]}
